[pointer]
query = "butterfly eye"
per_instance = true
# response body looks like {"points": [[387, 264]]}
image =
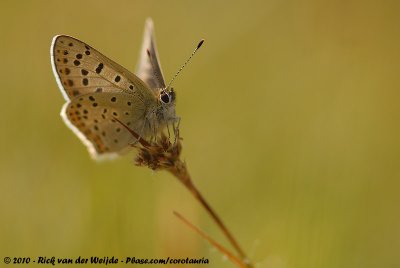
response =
{"points": [[164, 97]]}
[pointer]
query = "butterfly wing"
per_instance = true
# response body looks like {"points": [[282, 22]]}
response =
{"points": [[149, 69], [95, 88], [81, 69], [92, 117]]}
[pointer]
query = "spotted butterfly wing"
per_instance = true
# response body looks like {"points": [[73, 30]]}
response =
{"points": [[93, 116], [149, 68], [98, 90], [81, 69]]}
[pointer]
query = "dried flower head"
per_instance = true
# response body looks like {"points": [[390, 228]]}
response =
{"points": [[160, 154]]}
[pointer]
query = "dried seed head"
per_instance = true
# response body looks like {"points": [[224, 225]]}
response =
{"points": [[158, 155]]}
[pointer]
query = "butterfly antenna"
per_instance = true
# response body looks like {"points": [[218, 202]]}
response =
{"points": [[186, 62]]}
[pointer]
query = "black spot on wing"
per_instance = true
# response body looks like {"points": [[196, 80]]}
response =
{"points": [[99, 68]]}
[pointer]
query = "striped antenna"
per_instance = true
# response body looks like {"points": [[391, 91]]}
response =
{"points": [[186, 62]]}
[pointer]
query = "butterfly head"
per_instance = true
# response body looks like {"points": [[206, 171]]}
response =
{"points": [[167, 97], [166, 109]]}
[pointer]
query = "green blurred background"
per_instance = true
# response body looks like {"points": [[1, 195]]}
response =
{"points": [[290, 118]]}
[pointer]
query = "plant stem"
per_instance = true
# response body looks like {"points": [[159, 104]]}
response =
{"points": [[180, 171], [223, 250], [164, 155]]}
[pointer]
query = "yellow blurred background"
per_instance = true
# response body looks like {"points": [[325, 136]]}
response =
{"points": [[290, 118]]}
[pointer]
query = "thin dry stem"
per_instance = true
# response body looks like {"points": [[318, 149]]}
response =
{"points": [[180, 171], [164, 155], [218, 246]]}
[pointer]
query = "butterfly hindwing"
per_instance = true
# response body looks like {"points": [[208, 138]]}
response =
{"points": [[92, 117]]}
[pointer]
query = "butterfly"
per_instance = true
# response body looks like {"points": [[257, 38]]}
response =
{"points": [[101, 94]]}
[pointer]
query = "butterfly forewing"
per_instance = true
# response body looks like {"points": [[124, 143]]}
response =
{"points": [[81, 69], [148, 68], [93, 116]]}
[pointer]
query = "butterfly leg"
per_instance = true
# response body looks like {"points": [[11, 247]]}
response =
{"points": [[169, 134], [176, 128], [154, 128]]}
